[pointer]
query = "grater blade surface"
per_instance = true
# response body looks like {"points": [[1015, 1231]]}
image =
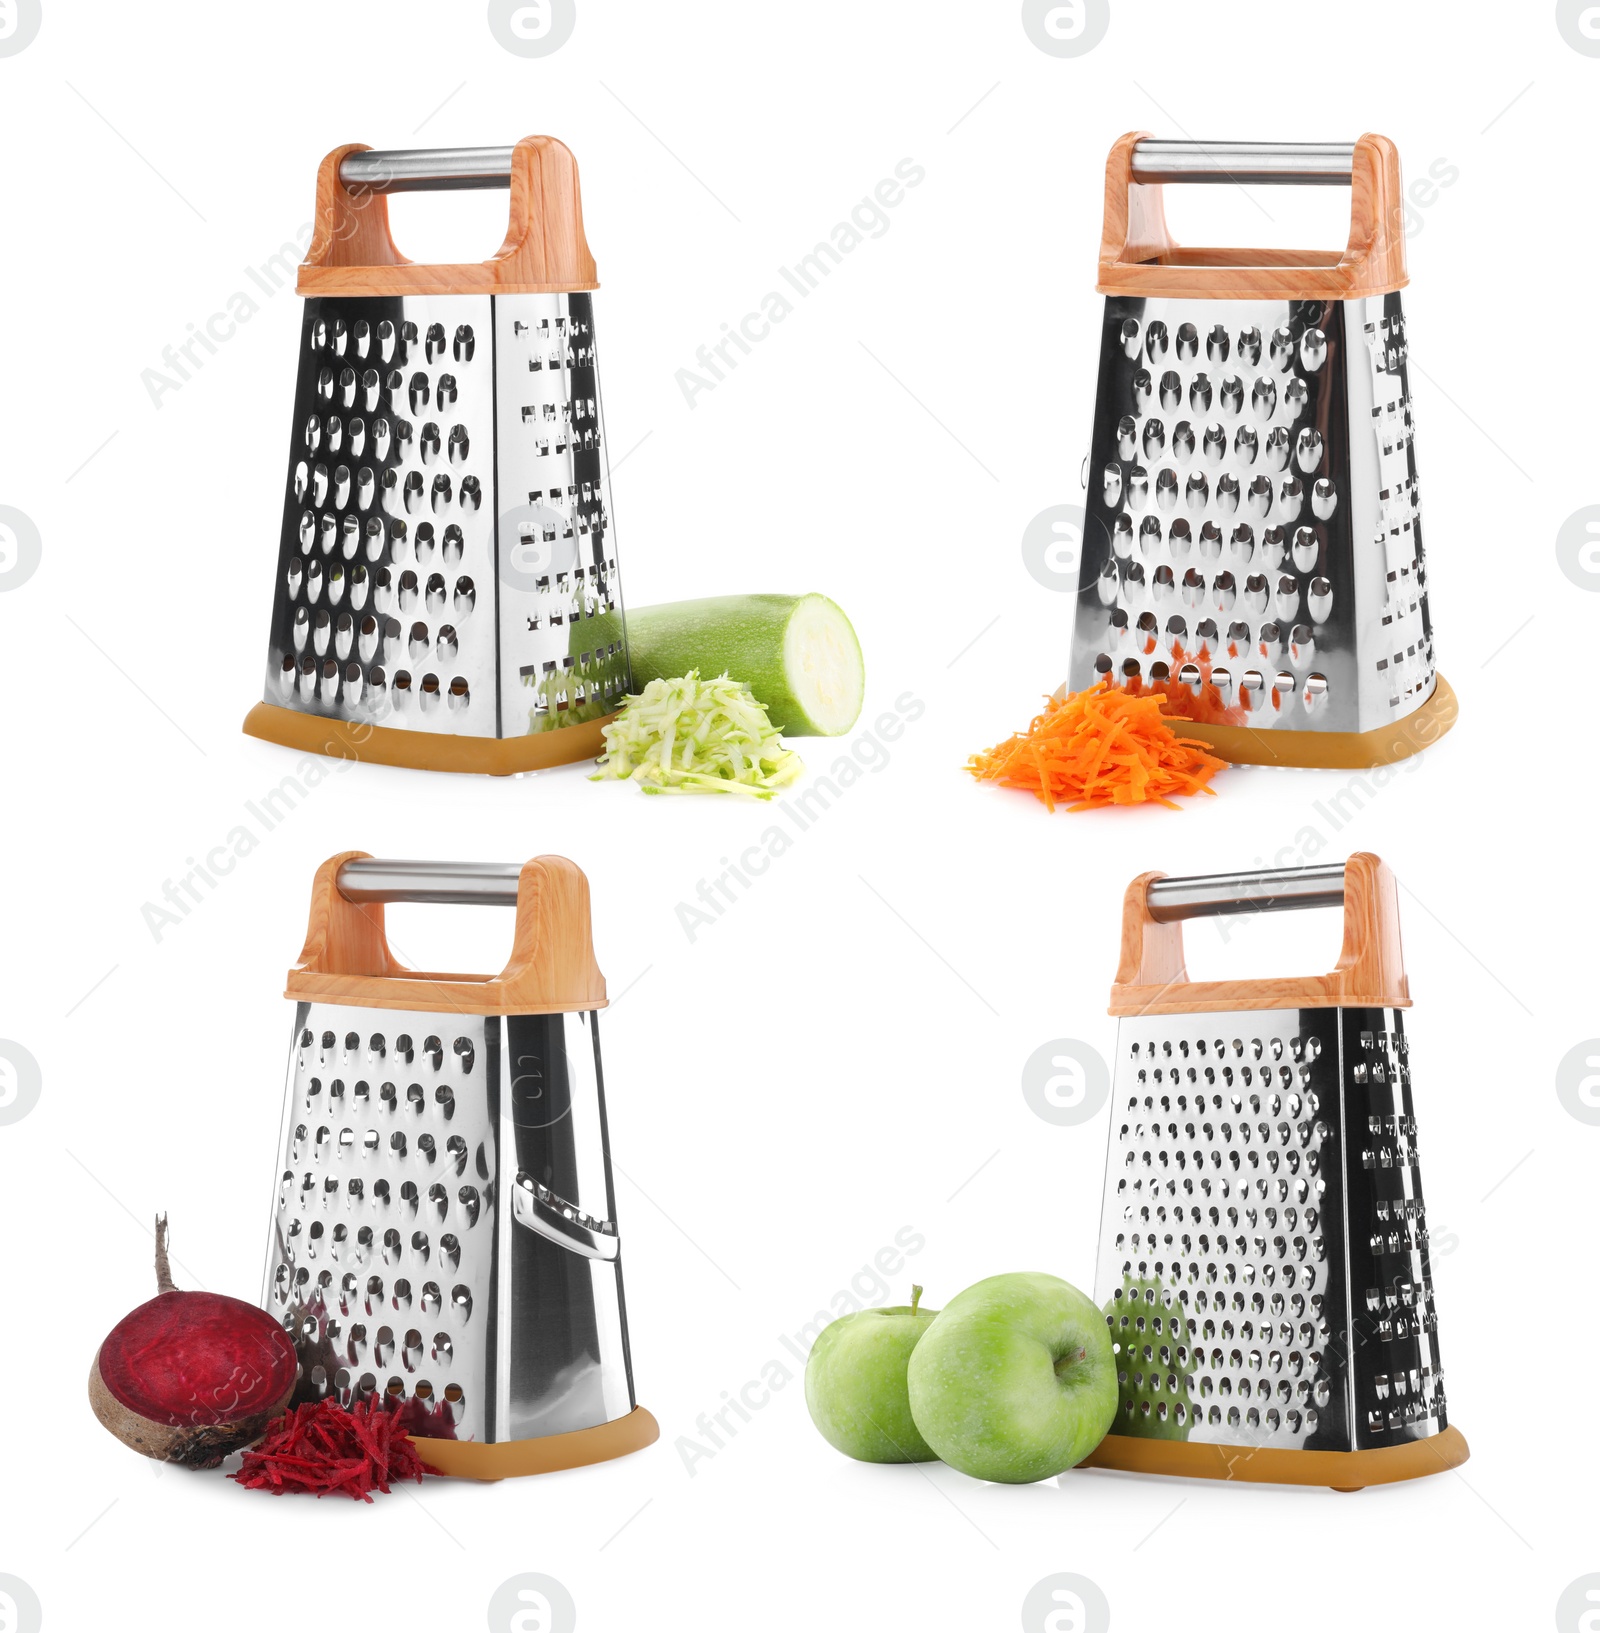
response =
{"points": [[445, 563], [564, 655], [403, 1257], [1263, 1255], [1253, 533]]}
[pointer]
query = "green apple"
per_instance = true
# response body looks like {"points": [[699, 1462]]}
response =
{"points": [[856, 1383], [1015, 1380]]}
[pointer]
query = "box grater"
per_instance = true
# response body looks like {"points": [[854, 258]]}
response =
{"points": [[1253, 534], [447, 592], [1263, 1255], [443, 1230]]}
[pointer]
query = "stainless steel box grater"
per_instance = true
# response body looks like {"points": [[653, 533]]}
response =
{"points": [[1264, 1244], [444, 1230], [1253, 530], [447, 592]]}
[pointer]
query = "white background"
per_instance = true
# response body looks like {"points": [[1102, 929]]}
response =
{"points": [[839, 1056]]}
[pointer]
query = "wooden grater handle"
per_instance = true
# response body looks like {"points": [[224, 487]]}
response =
{"points": [[1152, 980], [347, 959], [545, 251], [1139, 257]]}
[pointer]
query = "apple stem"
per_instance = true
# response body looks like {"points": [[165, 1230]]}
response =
{"points": [[916, 1297]]}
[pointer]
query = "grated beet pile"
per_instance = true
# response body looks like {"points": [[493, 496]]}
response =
{"points": [[321, 1447]]}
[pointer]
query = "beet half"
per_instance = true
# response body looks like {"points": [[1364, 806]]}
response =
{"points": [[190, 1377]]}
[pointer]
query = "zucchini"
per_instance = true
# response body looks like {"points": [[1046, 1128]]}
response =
{"points": [[797, 654]]}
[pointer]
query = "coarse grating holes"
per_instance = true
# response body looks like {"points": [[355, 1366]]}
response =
{"points": [[379, 1231]]}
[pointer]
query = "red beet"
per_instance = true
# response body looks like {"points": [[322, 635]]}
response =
{"points": [[190, 1377]]}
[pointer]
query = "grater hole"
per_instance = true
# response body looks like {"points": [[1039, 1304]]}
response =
{"points": [[402, 1294], [412, 1352], [409, 1196], [461, 1301], [440, 1199], [431, 1300], [449, 1251], [446, 1100], [391, 1251], [471, 1203]]}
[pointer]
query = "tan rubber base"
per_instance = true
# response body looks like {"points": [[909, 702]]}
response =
{"points": [[1343, 1471], [1335, 750], [426, 751], [474, 1460]]}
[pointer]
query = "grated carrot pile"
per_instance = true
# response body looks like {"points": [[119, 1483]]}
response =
{"points": [[1100, 747]]}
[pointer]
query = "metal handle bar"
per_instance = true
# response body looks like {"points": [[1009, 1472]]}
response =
{"points": [[467, 884], [1317, 164], [1272, 890], [427, 169]]}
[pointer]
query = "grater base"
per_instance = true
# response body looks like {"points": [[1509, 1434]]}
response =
{"points": [[424, 751], [1275, 1465], [475, 1460], [1332, 750]]}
